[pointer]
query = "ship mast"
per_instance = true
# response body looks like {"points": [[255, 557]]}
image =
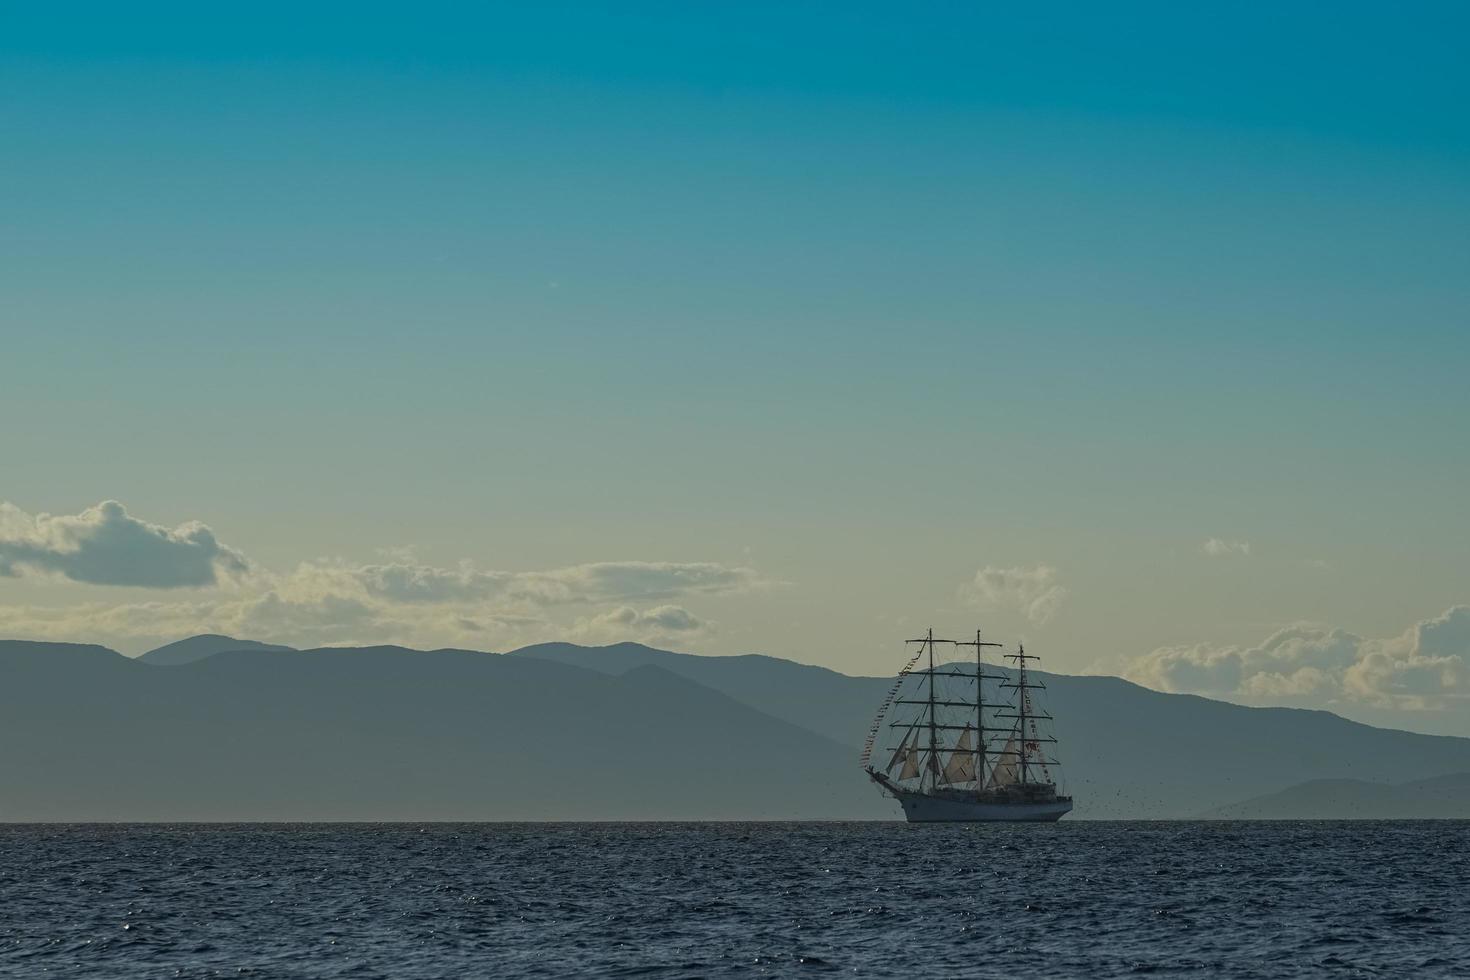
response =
{"points": [[933, 764], [1025, 715], [979, 646], [1022, 701], [939, 796], [931, 700]]}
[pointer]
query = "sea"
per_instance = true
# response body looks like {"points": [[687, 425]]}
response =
{"points": [[1074, 899]]}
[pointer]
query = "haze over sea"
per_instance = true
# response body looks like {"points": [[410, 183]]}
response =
{"points": [[683, 900]]}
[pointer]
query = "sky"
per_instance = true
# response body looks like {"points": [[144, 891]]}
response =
{"points": [[1138, 334]]}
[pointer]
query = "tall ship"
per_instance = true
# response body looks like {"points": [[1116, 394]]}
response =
{"points": [[959, 742]]}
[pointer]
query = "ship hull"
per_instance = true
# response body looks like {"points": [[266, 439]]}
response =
{"points": [[921, 808]]}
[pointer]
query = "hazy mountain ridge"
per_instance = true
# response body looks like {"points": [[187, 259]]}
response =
{"points": [[384, 733], [194, 648], [566, 732], [1126, 750], [1438, 798], [835, 705]]}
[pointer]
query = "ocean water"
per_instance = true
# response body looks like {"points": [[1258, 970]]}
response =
{"points": [[1073, 899]]}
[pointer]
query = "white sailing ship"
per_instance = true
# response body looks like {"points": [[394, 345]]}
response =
{"points": [[969, 740]]}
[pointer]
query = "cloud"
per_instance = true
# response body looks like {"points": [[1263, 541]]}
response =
{"points": [[676, 619], [635, 580], [304, 616], [396, 599], [404, 582], [1425, 668], [623, 581], [1429, 664], [1233, 670], [1032, 591], [279, 616], [1221, 548], [625, 622], [105, 545]]}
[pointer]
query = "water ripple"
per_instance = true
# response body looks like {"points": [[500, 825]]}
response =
{"points": [[680, 900]]}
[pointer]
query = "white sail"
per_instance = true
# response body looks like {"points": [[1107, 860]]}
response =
{"points": [[910, 762], [961, 765], [1007, 765], [900, 753]]}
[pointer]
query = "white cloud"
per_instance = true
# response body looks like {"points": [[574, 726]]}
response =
{"points": [[105, 545], [1222, 548], [625, 622], [673, 618], [1429, 664], [280, 616], [1032, 591], [634, 581], [623, 581], [397, 599], [332, 602], [1425, 668], [408, 582]]}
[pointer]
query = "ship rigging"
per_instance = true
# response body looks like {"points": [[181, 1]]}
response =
{"points": [[962, 755]]}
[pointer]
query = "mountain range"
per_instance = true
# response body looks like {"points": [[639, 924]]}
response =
{"points": [[193, 648], [214, 728], [1441, 797]]}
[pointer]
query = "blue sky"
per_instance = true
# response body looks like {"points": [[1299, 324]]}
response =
{"points": [[862, 300]]}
